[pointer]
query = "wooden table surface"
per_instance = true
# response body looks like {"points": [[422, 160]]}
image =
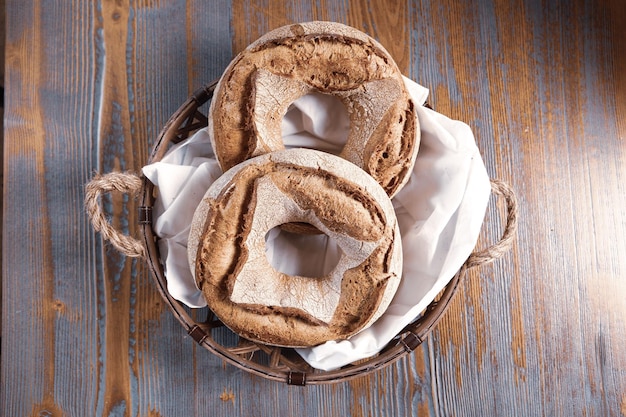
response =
{"points": [[542, 332]]}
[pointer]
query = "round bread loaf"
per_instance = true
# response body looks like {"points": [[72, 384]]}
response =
{"points": [[226, 248], [256, 89]]}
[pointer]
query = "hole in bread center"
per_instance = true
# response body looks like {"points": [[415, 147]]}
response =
{"points": [[305, 255], [316, 121]]}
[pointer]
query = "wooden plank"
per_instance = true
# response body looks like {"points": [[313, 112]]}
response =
{"points": [[542, 332], [535, 90], [2, 47], [191, 54], [49, 276], [385, 21]]}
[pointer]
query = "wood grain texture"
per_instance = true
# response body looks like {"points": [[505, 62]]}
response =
{"points": [[2, 47], [537, 95], [541, 332]]}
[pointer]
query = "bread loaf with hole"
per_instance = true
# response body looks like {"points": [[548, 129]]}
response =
{"points": [[259, 85], [226, 248]]}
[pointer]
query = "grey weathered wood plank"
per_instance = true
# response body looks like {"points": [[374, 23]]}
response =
{"points": [[49, 280]]}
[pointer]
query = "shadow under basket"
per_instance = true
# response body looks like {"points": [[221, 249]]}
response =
{"points": [[270, 362]]}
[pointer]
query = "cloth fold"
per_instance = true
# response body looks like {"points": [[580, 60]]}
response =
{"points": [[440, 212]]}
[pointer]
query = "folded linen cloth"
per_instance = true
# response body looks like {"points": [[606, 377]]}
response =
{"points": [[440, 212]]}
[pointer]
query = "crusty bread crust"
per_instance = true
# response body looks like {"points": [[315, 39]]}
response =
{"points": [[226, 248], [258, 86]]}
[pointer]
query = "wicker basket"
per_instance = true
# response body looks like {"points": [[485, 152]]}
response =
{"points": [[274, 363]]}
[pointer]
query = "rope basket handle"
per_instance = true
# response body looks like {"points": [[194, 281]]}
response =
{"points": [[124, 182], [130, 183], [502, 246]]}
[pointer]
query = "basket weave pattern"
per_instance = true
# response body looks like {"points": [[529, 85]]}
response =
{"points": [[274, 363]]}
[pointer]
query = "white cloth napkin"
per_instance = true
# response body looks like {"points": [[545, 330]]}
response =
{"points": [[440, 212]]}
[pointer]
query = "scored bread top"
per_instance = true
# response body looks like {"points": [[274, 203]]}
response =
{"points": [[226, 248], [258, 86]]}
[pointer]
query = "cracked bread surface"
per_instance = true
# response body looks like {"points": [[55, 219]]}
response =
{"points": [[258, 86], [226, 248]]}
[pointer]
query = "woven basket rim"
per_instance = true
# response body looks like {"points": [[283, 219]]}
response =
{"points": [[281, 364]]}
